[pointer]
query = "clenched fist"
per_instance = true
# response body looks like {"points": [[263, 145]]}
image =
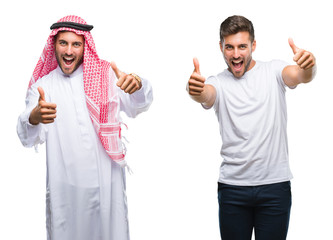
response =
{"points": [[304, 59], [196, 83], [127, 82], [44, 112]]}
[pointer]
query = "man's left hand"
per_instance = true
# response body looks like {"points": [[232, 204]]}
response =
{"points": [[304, 59], [126, 82]]}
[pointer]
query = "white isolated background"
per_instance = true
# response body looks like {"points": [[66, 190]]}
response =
{"points": [[174, 147]]}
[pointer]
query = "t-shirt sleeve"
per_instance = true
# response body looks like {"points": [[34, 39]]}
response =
{"points": [[277, 67]]}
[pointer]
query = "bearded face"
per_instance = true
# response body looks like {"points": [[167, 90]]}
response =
{"points": [[237, 52], [69, 48]]}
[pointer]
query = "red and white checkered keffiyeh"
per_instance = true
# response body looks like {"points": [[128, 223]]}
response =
{"points": [[98, 77]]}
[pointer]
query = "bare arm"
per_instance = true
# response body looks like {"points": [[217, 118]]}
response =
{"points": [[304, 71], [198, 90]]}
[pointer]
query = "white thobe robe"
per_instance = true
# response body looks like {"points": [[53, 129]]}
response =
{"points": [[85, 189]]}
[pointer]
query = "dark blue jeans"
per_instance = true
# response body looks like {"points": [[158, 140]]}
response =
{"points": [[265, 208]]}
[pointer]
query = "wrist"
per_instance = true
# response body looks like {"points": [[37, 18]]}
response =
{"points": [[32, 119]]}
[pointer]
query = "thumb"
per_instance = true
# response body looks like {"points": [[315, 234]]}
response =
{"points": [[196, 65], [41, 93], [293, 46], [116, 70]]}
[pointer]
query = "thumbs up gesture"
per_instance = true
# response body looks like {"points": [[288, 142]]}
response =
{"points": [[129, 83], [304, 59], [196, 82], [44, 112]]}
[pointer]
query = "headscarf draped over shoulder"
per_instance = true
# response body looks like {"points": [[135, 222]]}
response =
{"points": [[97, 76]]}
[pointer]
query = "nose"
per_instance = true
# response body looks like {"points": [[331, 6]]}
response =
{"points": [[69, 50], [236, 53]]}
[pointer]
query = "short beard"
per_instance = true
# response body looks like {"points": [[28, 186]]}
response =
{"points": [[245, 69], [247, 65], [77, 65]]}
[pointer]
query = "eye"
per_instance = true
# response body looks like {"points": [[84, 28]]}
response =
{"points": [[62, 43], [77, 44], [228, 47], [243, 46]]}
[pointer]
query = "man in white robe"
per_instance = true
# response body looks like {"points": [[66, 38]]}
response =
{"points": [[85, 196]]}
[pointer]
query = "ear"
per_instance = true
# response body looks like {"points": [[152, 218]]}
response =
{"points": [[221, 46], [254, 45]]}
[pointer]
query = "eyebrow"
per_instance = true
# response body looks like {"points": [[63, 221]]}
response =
{"points": [[242, 44], [76, 42]]}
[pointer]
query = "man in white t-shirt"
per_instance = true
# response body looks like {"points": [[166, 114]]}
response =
{"points": [[249, 101]]}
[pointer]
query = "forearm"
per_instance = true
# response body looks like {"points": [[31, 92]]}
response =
{"points": [[29, 134], [206, 97], [305, 76], [294, 75]]}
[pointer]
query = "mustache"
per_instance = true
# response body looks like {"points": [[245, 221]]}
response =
{"points": [[67, 55], [236, 59]]}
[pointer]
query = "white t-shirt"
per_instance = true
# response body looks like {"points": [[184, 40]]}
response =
{"points": [[252, 115]]}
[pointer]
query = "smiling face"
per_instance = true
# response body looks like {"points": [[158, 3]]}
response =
{"points": [[69, 48], [237, 52]]}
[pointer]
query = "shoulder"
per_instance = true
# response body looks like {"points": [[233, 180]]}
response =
{"points": [[47, 78], [45, 82], [274, 67], [277, 67], [271, 63], [216, 80], [277, 64]]}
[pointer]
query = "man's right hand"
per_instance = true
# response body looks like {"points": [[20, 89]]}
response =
{"points": [[44, 112], [196, 83], [198, 90]]}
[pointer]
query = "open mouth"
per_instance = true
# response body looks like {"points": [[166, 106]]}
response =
{"points": [[68, 61], [237, 65]]}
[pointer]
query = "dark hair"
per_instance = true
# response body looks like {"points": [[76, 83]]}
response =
{"points": [[236, 24]]}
